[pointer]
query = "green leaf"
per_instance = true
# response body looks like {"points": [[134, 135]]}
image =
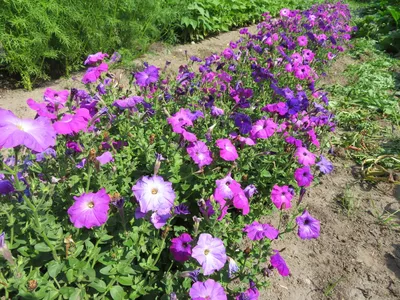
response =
{"points": [[125, 280], [70, 275], [89, 272], [42, 247], [117, 292], [54, 268], [108, 270], [98, 285], [106, 237]]}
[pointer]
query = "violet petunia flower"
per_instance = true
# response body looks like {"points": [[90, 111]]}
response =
{"points": [[208, 290], [279, 263], [6, 187], [90, 209], [227, 150], [37, 135], [94, 58], [94, 73], [251, 293], [257, 231], [200, 153], [159, 218], [105, 158], [305, 157], [325, 166], [181, 209], [243, 122], [303, 176], [153, 194], [56, 98], [4, 251], [70, 124], [127, 103], [281, 196], [148, 76], [50, 152], [309, 227], [180, 247], [250, 190], [233, 267], [210, 253]]}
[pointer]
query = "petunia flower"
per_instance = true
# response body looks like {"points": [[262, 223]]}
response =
{"points": [[263, 129], [159, 218], [94, 58], [210, 253], [233, 267], [148, 76], [6, 187], [325, 166], [127, 103], [281, 196], [153, 194], [37, 135], [56, 98], [94, 73], [4, 251], [200, 153], [180, 247], [257, 231], [105, 158], [279, 263], [70, 124], [208, 290], [303, 176], [90, 209], [227, 150], [304, 156], [251, 293], [309, 227]]}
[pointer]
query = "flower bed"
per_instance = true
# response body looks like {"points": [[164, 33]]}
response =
{"points": [[157, 189]]}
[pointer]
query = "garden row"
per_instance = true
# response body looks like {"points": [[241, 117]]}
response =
{"points": [[172, 186], [43, 39]]}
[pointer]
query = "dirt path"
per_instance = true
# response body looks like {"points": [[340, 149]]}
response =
{"points": [[355, 258]]}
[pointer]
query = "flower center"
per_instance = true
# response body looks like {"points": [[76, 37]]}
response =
{"points": [[206, 252], [154, 191], [90, 204]]}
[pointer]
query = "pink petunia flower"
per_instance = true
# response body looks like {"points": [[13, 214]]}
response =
{"points": [[70, 124], [154, 194], [210, 290], [200, 153], [94, 73], [302, 41], [41, 109], [57, 98], [227, 150], [263, 129], [305, 157], [303, 176], [279, 263], [281, 197], [94, 58], [105, 158], [90, 209], [159, 218], [210, 253], [37, 135], [257, 231]]}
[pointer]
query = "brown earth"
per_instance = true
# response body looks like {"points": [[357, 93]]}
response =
{"points": [[354, 258]]}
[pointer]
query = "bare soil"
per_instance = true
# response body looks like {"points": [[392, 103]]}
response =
{"points": [[354, 258]]}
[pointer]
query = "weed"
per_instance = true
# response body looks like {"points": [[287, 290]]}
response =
{"points": [[386, 219]]}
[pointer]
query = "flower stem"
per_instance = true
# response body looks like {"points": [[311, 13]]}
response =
{"points": [[89, 177]]}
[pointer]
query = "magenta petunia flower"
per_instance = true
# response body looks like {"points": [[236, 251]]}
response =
{"points": [[302, 71], [37, 135], [279, 263], [200, 153], [41, 109], [148, 76], [94, 58], [70, 124], [188, 136], [154, 194], [130, 102], [180, 119], [257, 231], [94, 73], [309, 227], [56, 98], [105, 158], [180, 247], [302, 41], [304, 156], [303, 176], [240, 200], [263, 129], [281, 197], [208, 290], [251, 293], [210, 253], [227, 150], [90, 209]]}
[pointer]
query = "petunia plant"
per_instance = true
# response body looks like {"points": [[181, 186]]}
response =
{"points": [[172, 186]]}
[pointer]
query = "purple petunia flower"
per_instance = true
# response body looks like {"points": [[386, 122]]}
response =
{"points": [[256, 231], [200, 153], [90, 209], [50, 152], [70, 124], [56, 98], [251, 294], [309, 227], [37, 135], [281, 196], [233, 267], [181, 209], [208, 290], [215, 111], [302, 41], [325, 166], [105, 158], [180, 247], [74, 146], [303, 176], [263, 129], [94, 58], [210, 253], [305, 157], [4, 251], [159, 218], [153, 194], [243, 122], [130, 102], [148, 76], [94, 73], [279, 263], [227, 150], [6, 187], [250, 190]]}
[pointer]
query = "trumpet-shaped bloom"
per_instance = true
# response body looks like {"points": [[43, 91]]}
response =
{"points": [[180, 247], [305, 157], [94, 58], [154, 194], [105, 158], [325, 166], [279, 263], [303, 176], [281, 196], [227, 150], [200, 153], [309, 227], [148, 76], [37, 135], [208, 290], [90, 209], [210, 253], [56, 98], [263, 129], [70, 124], [256, 231], [94, 73]]}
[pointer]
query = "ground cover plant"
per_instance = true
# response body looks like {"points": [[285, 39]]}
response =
{"points": [[157, 189]]}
